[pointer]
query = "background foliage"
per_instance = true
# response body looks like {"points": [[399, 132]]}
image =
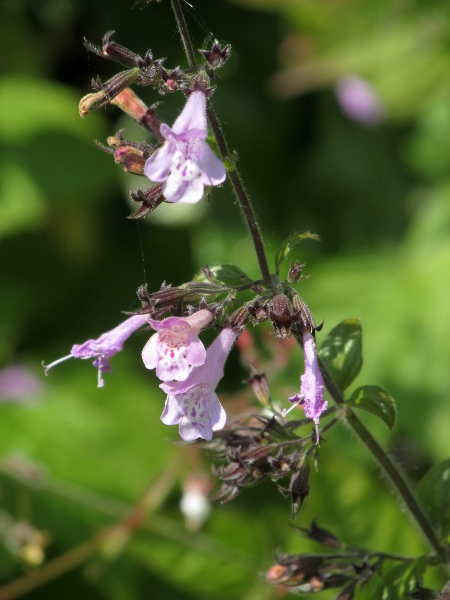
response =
{"points": [[70, 261]]}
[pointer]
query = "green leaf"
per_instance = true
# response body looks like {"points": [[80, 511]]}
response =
{"points": [[228, 275], [377, 401], [341, 351], [288, 244], [412, 576], [434, 492]]}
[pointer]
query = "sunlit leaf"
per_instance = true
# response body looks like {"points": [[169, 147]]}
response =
{"points": [[341, 351], [229, 275], [434, 492], [288, 244], [377, 401]]}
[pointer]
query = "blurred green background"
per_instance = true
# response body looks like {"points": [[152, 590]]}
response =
{"points": [[378, 195]]}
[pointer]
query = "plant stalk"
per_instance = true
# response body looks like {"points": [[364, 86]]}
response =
{"points": [[388, 466], [235, 178]]}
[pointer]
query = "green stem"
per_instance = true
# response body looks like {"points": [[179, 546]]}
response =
{"points": [[388, 466], [233, 175]]}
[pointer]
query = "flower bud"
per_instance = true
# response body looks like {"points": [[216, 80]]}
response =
{"points": [[131, 105], [106, 91], [260, 386], [131, 159], [113, 51]]}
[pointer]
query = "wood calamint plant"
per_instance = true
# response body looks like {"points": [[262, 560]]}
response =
{"points": [[182, 167]]}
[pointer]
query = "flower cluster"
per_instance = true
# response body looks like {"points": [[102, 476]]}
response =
{"points": [[181, 166], [190, 372]]}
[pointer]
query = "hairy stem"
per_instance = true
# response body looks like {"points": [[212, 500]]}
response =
{"points": [[241, 196], [233, 175], [184, 33], [395, 476]]}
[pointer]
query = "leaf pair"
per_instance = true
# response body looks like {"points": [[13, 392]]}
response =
{"points": [[341, 352]]}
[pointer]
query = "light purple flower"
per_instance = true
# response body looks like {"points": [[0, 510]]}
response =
{"points": [[104, 347], [359, 101], [193, 404], [176, 347], [18, 383], [312, 387], [185, 162]]}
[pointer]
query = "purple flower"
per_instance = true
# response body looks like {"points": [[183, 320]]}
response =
{"points": [[19, 384], [104, 347], [176, 347], [312, 387], [193, 404], [185, 162], [359, 101]]}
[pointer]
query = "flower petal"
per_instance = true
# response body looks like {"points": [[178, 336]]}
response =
{"points": [[193, 115], [187, 192], [158, 165], [195, 351], [171, 414], [173, 368], [150, 352], [213, 169], [202, 412]]}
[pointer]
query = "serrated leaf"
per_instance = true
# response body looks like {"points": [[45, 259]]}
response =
{"points": [[288, 244], [228, 275], [377, 401], [341, 351], [434, 493]]}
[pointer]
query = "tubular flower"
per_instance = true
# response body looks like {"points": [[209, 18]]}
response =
{"points": [[193, 404], [104, 347], [185, 162], [175, 348], [312, 386]]}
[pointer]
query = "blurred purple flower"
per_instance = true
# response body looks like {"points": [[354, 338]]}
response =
{"points": [[104, 347], [18, 383], [312, 387], [359, 101], [193, 404], [185, 162], [176, 347]]}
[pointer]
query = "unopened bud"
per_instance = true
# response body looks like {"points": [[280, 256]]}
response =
{"points": [[131, 159], [299, 487], [131, 105], [91, 102], [277, 574], [113, 51], [260, 386], [107, 91]]}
